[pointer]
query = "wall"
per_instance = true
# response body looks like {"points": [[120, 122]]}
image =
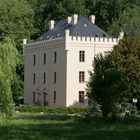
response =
{"points": [[48, 47], [91, 46]]}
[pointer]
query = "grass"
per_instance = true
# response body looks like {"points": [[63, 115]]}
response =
{"points": [[29, 126]]}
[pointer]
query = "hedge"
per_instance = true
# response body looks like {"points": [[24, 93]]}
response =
{"points": [[45, 109]]}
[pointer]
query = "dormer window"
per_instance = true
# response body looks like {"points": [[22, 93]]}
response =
{"points": [[104, 35]]}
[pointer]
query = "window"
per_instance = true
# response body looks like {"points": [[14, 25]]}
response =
{"points": [[55, 57], [54, 97], [106, 53], [34, 97], [33, 78], [82, 56], [34, 59], [45, 97], [44, 57], [44, 77], [54, 77], [81, 76], [81, 96]]}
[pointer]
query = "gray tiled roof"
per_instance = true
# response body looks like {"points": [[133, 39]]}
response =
{"points": [[84, 27]]}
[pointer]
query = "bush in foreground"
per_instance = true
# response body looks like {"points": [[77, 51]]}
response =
{"points": [[45, 109]]}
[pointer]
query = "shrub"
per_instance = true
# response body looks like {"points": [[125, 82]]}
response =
{"points": [[45, 109], [127, 109]]}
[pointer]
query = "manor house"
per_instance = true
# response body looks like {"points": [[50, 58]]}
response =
{"points": [[57, 64]]}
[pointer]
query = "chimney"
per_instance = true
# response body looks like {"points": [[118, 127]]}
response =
{"points": [[24, 41], [69, 20], [121, 35], [51, 24], [92, 18], [75, 19]]}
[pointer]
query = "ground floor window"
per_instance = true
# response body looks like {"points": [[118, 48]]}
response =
{"points": [[81, 96], [34, 97], [54, 97]]}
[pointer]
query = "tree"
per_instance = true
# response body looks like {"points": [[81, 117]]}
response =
{"points": [[126, 57], [8, 63], [116, 77], [16, 20], [128, 22], [108, 11], [46, 10], [103, 86]]}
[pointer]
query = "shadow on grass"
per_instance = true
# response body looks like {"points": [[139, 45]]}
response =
{"points": [[58, 117], [48, 129]]}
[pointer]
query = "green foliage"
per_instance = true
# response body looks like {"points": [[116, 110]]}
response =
{"points": [[128, 21], [116, 77], [58, 110], [126, 57], [46, 10], [17, 89], [107, 11], [103, 85], [16, 20], [8, 62]]}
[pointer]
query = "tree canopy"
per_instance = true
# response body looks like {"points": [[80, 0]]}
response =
{"points": [[126, 57], [16, 20], [128, 22]]}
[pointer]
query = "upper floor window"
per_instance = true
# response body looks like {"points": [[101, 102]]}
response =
{"points": [[34, 78], [81, 96], [55, 57], [82, 56], [44, 78], [81, 76], [34, 59], [54, 77], [44, 58]]}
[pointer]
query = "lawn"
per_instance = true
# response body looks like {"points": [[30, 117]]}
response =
{"points": [[29, 126]]}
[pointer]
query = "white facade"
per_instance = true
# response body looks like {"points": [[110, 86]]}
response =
{"points": [[61, 86]]}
